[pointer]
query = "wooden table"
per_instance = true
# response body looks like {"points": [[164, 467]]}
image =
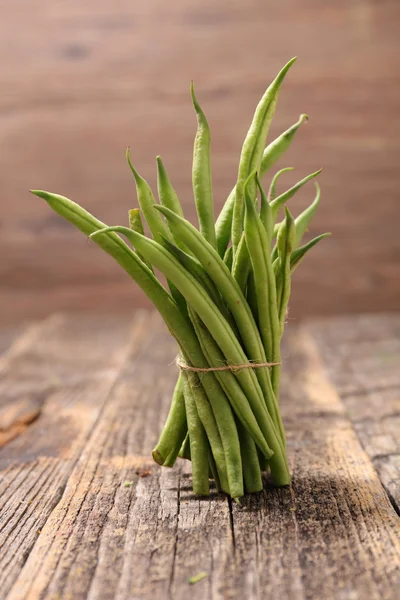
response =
{"points": [[85, 513]]}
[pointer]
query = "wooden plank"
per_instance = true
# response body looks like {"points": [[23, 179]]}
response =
{"points": [[95, 99], [322, 538], [84, 356], [119, 532], [362, 356]]}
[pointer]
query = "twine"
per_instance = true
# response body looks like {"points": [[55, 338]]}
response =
{"points": [[185, 367]]}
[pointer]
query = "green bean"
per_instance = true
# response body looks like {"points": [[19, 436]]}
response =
{"points": [[271, 155], [201, 175], [241, 264], [135, 223], [158, 228], [199, 300], [228, 258], [223, 225], [266, 216], [285, 243], [278, 202], [147, 202], [166, 193], [168, 197], [251, 296], [252, 150], [251, 466], [305, 217], [264, 279], [298, 254], [170, 460], [278, 147], [184, 452], [174, 430], [198, 443], [135, 220], [208, 420], [302, 220], [227, 427], [272, 187], [230, 291], [214, 471], [230, 385]]}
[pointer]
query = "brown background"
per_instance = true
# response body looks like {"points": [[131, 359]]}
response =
{"points": [[82, 80]]}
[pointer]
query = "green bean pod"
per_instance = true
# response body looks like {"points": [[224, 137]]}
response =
{"points": [[168, 197], [214, 472], [209, 423], [184, 452], [285, 243], [298, 254], [166, 193], [264, 280], [271, 155], [201, 175], [266, 215], [278, 147], [278, 202], [251, 466], [241, 264], [136, 224], [251, 296], [276, 177], [223, 225], [252, 150], [303, 220], [147, 202], [226, 424], [199, 447], [175, 428], [228, 257]]}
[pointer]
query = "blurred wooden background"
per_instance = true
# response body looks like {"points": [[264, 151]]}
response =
{"points": [[82, 80]]}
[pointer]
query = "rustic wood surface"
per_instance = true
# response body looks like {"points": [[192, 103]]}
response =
{"points": [[85, 514], [82, 80]]}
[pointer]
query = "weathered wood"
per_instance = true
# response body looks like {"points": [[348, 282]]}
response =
{"points": [[362, 356], [85, 356], [114, 525], [117, 73]]}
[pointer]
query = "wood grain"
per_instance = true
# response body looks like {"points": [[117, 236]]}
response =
{"points": [[84, 80], [91, 517], [362, 356], [36, 465]]}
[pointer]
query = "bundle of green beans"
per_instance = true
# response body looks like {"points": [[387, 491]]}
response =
{"points": [[229, 287]]}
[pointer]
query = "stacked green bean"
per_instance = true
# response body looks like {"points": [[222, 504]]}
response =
{"points": [[226, 302]]}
